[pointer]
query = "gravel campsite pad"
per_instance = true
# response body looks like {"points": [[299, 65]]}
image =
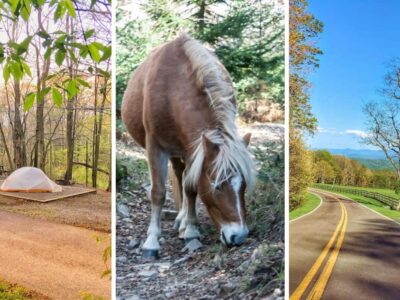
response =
{"points": [[202, 269]]}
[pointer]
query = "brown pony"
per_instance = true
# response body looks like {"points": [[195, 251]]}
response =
{"points": [[180, 106]]}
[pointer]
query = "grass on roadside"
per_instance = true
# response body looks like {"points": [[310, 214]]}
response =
{"points": [[375, 205], [310, 202]]}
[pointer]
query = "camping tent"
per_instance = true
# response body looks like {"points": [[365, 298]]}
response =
{"points": [[29, 180]]}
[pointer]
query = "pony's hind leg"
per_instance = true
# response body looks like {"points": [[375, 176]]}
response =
{"points": [[158, 166]]}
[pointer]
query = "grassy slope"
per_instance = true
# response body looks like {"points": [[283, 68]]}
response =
{"points": [[386, 192], [374, 205], [311, 202]]}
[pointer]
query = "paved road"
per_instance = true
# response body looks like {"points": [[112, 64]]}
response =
{"points": [[343, 250], [59, 261]]}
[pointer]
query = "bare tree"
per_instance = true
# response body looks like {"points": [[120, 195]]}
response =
{"points": [[384, 129]]}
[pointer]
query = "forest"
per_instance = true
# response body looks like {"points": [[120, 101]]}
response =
{"points": [[337, 169], [55, 104], [247, 36]]}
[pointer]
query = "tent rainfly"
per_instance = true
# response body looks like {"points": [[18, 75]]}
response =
{"points": [[29, 180]]}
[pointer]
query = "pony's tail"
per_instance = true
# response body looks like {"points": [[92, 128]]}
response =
{"points": [[176, 188]]}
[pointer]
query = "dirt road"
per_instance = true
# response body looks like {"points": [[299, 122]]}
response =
{"points": [[343, 250], [56, 260]]}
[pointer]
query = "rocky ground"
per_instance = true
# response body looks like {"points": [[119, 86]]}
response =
{"points": [[206, 270]]}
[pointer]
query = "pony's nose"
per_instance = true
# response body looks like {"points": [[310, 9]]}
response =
{"points": [[238, 239], [234, 235]]}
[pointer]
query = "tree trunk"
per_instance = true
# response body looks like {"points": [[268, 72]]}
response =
{"points": [[40, 158], [70, 132], [18, 132], [10, 162]]}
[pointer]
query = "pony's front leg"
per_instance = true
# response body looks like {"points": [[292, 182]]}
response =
{"points": [[158, 166], [188, 229]]}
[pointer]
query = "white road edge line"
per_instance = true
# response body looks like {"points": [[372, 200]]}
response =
{"points": [[378, 213], [310, 212]]}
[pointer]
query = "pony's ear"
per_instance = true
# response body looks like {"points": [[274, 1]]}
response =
{"points": [[246, 139], [210, 149]]}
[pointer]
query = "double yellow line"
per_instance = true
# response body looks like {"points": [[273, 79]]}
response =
{"points": [[320, 285]]}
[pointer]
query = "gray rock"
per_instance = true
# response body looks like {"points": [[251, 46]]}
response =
{"points": [[245, 265], [277, 292], [133, 244], [181, 260], [122, 259], [133, 297], [225, 289], [217, 261], [123, 210], [163, 267], [148, 274], [192, 246], [161, 241]]}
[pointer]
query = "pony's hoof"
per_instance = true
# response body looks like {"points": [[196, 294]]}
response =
{"points": [[147, 253]]}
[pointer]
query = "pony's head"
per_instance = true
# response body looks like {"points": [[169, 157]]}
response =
{"points": [[226, 172]]}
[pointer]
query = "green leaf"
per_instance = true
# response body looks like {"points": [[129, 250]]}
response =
{"points": [[60, 40], [94, 52], [83, 52], [6, 73], [83, 82], [43, 34], [72, 89], [57, 97], [24, 45], [25, 14], [47, 43], [43, 94], [47, 54], [14, 4], [60, 56], [70, 8], [88, 33], [26, 68], [16, 70], [29, 101], [106, 53], [60, 11]]}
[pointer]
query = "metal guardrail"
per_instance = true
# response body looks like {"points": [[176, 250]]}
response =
{"points": [[390, 201]]}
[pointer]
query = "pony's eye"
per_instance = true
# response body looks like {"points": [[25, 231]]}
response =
{"points": [[216, 186]]}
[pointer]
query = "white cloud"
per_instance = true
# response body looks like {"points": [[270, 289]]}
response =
{"points": [[358, 133], [327, 130]]}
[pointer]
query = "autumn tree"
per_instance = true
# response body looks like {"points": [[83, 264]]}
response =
{"points": [[304, 28]]}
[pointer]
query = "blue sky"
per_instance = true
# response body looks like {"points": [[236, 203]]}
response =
{"points": [[360, 38]]}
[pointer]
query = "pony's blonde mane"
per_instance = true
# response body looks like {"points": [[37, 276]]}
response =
{"points": [[233, 156]]}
